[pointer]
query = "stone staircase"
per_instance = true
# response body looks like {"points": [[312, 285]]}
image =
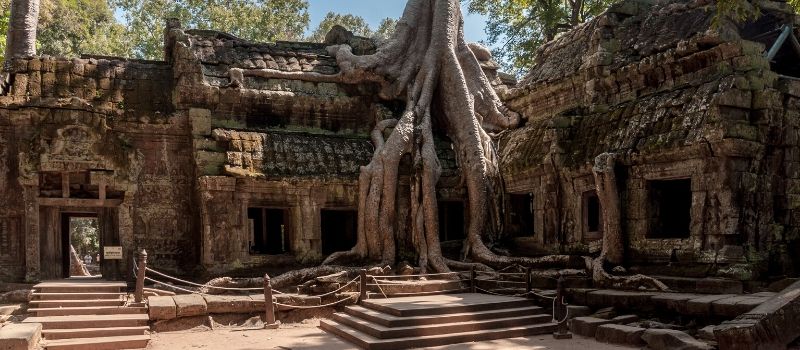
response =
{"points": [[434, 320], [88, 315]]}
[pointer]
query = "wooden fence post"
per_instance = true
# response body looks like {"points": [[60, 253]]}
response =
{"points": [[141, 265], [560, 312], [269, 307], [363, 287], [472, 275]]}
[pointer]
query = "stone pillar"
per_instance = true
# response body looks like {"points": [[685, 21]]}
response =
{"points": [[30, 196]]}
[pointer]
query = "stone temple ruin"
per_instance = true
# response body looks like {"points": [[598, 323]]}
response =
{"points": [[220, 159]]}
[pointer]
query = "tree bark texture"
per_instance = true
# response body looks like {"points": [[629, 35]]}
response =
{"points": [[21, 36]]}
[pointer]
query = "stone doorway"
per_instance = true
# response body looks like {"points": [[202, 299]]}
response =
{"points": [[58, 229], [81, 232]]}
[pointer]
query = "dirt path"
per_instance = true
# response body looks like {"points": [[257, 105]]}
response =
{"points": [[306, 336]]}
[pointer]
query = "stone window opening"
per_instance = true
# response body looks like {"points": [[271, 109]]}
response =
{"points": [[269, 231], [592, 216], [669, 208], [451, 221], [339, 230], [520, 214]]}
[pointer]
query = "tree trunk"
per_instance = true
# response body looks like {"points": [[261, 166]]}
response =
{"points": [[21, 37]]}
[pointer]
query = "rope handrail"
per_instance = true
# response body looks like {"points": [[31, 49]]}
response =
{"points": [[312, 306], [174, 286], [422, 275], [338, 290], [379, 287], [501, 273], [505, 295], [201, 285]]}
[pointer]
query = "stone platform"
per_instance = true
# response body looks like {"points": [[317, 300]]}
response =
{"points": [[434, 320]]}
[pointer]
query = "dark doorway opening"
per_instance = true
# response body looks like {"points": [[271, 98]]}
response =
{"points": [[669, 210], [269, 230], [592, 216], [451, 221], [338, 230], [80, 232], [520, 215]]}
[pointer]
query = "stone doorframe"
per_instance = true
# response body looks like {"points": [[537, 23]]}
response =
{"points": [[33, 203]]}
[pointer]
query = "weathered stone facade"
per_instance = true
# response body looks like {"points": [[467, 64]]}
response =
{"points": [[704, 129], [232, 154], [184, 157]]}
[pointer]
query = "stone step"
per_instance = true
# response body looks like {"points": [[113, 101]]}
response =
{"points": [[104, 343], [387, 320], [89, 321], [76, 303], [366, 341], [80, 287], [87, 310], [402, 287], [444, 304], [382, 332], [76, 296], [53, 334]]}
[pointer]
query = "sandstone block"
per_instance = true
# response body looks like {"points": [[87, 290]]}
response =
{"points": [[587, 326], [162, 308], [670, 339], [229, 304], [20, 336], [702, 305], [620, 334], [675, 302], [190, 305]]}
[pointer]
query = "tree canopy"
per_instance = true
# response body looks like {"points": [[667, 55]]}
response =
{"points": [[356, 24], [257, 20], [516, 28]]}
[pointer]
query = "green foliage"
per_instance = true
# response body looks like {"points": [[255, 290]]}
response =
{"points": [[355, 24], [74, 27], [5, 7], [84, 235], [256, 20], [736, 10], [516, 28]]}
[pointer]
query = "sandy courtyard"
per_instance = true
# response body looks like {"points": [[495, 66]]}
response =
{"points": [[307, 336]]}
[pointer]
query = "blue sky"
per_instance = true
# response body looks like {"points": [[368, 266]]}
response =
{"points": [[373, 11]]}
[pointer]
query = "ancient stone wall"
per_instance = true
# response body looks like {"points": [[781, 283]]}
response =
{"points": [[672, 99]]}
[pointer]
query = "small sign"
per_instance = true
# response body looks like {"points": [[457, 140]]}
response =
{"points": [[112, 253]]}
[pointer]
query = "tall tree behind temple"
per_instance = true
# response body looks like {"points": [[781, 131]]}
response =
{"points": [[356, 24], [515, 28], [21, 34], [257, 20], [72, 27]]}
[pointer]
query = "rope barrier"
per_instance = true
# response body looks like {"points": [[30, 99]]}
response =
{"points": [[313, 306], [566, 314], [501, 273], [174, 287], [379, 287], [423, 275], [201, 285], [340, 288], [505, 295]]}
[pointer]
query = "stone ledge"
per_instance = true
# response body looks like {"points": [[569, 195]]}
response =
{"points": [[20, 336], [162, 308], [620, 334]]}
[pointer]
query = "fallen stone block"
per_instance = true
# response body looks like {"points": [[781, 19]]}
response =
{"points": [[578, 311], [190, 305], [735, 306], [161, 308], [706, 333], [587, 326], [670, 339], [229, 304], [771, 325], [13, 309], [620, 334], [20, 336], [675, 302], [702, 305]]}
